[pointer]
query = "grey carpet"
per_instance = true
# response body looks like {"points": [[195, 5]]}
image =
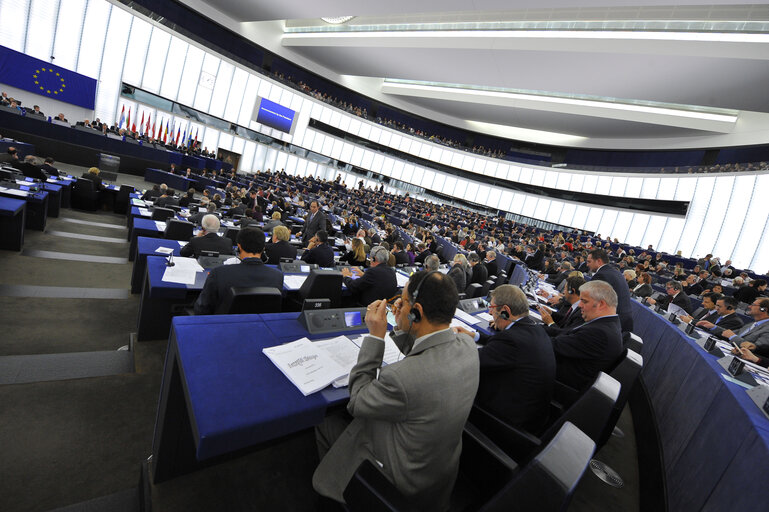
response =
{"points": [[73, 256], [79, 365], [82, 236], [63, 292], [92, 223]]}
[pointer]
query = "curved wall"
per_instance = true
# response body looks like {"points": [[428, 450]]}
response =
{"points": [[727, 214]]}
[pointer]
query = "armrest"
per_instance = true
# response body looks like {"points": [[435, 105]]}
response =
{"points": [[369, 490], [517, 443], [565, 395]]}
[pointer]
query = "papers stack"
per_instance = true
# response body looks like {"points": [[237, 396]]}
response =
{"points": [[183, 272]]}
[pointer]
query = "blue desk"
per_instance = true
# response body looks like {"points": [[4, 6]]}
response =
{"points": [[37, 208], [66, 190], [220, 393], [714, 440], [54, 198], [22, 148], [12, 213], [142, 227], [172, 180], [145, 247]]}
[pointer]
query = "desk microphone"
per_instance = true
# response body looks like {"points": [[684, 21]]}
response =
{"points": [[170, 260]]}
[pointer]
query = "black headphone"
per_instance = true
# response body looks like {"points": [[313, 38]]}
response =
{"points": [[415, 315], [504, 314]]}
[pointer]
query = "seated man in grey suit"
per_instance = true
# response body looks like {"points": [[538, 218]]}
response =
{"points": [[250, 272], [208, 239], [408, 416], [755, 335]]}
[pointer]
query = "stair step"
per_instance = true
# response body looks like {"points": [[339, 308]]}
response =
{"points": [[73, 365], [122, 501]]}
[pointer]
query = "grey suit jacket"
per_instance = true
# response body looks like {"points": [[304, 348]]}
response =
{"points": [[759, 336], [312, 225], [409, 420]]}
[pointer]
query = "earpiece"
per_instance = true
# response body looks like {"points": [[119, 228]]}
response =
{"points": [[415, 315], [504, 314]]}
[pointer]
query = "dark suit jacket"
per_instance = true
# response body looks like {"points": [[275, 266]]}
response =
{"points": [[645, 290], [617, 281], [31, 171], [586, 350], [97, 184], [207, 242], [167, 201], [249, 272], [401, 258], [706, 315], [480, 274], [50, 170], [322, 254], [492, 267], [312, 226], [731, 321], [534, 261], [681, 300], [746, 294], [376, 283], [695, 289], [278, 250], [420, 258], [565, 321], [517, 374]]}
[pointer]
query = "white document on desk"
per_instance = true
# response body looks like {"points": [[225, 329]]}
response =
{"points": [[160, 225], [401, 279], [138, 202], [485, 316], [183, 272], [459, 323], [392, 354], [144, 212], [164, 250], [13, 192], [465, 317], [293, 282], [308, 365]]}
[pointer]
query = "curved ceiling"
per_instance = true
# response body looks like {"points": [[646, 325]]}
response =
{"points": [[624, 75]]}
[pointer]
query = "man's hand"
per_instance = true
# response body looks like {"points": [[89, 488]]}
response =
{"points": [[746, 344], [346, 272], [546, 316], [357, 271], [707, 325], [746, 354], [555, 299], [685, 319], [728, 333], [651, 301], [376, 318]]}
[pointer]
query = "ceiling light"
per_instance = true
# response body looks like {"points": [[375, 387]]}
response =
{"points": [[338, 20]]}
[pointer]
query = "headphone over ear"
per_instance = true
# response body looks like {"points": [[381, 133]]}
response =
{"points": [[504, 314], [415, 315]]}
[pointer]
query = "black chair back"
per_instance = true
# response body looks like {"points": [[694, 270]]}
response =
{"points": [[232, 234], [486, 287], [179, 230], [473, 290], [323, 284], [162, 214], [84, 196], [123, 198], [253, 300]]}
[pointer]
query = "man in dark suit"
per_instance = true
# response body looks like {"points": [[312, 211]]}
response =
{"points": [[318, 251], [535, 258], [423, 253], [378, 282], [517, 363], [726, 308], [597, 261], [480, 272], [29, 168], [675, 295], [250, 272], [708, 310], [279, 248], [594, 346], [693, 287], [208, 239], [569, 314], [314, 221], [49, 169], [166, 199], [491, 263], [401, 256], [237, 208]]}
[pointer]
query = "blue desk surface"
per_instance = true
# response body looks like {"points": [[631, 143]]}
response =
{"points": [[10, 206], [147, 225], [714, 439], [236, 396], [148, 246]]}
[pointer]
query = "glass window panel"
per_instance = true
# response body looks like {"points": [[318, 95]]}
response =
{"points": [[696, 217], [516, 204], [259, 157], [346, 152], [470, 192], [580, 216], [344, 123], [468, 162], [483, 194], [529, 205], [606, 227], [436, 153], [618, 185], [450, 185], [376, 165], [68, 31], [92, 41], [205, 82], [357, 156], [336, 119], [550, 179], [593, 220], [685, 189], [567, 215], [327, 145], [543, 205], [671, 235], [325, 115], [457, 158], [526, 174], [537, 177], [754, 226], [427, 179], [112, 65], [238, 144], [193, 63], [355, 126], [667, 188], [439, 181], [514, 174], [716, 215], [400, 170], [563, 180], [622, 226], [247, 160], [386, 137], [387, 166], [425, 151], [502, 171], [236, 97], [603, 185], [633, 188], [301, 167], [336, 149], [494, 195], [318, 142], [136, 51], [649, 188], [42, 15], [479, 165], [291, 164], [406, 144], [654, 231], [396, 168], [281, 159], [221, 89], [637, 229], [491, 168], [177, 52], [211, 139], [504, 200], [577, 182], [156, 60], [368, 158], [554, 213], [590, 184], [14, 34]]}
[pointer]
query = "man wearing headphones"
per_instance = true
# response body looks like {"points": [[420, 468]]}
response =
{"points": [[319, 251], [408, 415], [754, 336], [569, 314], [378, 282], [517, 362], [727, 317], [676, 296]]}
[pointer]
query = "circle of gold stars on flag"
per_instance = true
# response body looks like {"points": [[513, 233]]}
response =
{"points": [[49, 81]]}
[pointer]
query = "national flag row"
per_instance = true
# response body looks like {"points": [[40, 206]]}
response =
{"points": [[149, 129]]}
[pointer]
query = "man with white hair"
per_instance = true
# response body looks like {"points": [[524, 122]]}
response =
{"points": [[594, 346], [208, 239], [378, 282]]}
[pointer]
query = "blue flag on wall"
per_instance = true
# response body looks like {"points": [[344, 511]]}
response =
{"points": [[40, 77]]}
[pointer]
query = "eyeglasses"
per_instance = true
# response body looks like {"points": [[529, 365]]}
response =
{"points": [[493, 306]]}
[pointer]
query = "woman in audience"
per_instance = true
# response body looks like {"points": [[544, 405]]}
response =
{"points": [[411, 251], [459, 272], [356, 254], [644, 287]]}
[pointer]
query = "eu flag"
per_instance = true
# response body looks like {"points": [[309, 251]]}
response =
{"points": [[40, 77]]}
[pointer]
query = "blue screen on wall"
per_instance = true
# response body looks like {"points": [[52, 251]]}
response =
{"points": [[274, 115]]}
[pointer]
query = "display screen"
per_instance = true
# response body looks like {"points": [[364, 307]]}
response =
{"points": [[274, 115], [353, 319]]}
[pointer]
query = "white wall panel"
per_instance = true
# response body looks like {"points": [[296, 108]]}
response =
{"points": [[193, 63], [247, 160], [108, 87], [136, 52], [633, 187], [482, 196], [671, 235], [550, 179], [357, 156], [491, 168], [92, 42], [622, 226], [654, 231], [13, 35], [237, 95], [638, 225], [590, 184], [206, 81], [580, 216], [537, 178], [543, 205], [529, 205], [397, 169], [606, 226], [603, 185], [667, 189], [368, 159], [174, 65], [567, 215], [42, 15], [221, 89], [593, 220], [525, 175], [427, 179], [365, 130], [336, 149], [514, 173], [505, 201], [650, 188], [281, 159], [555, 211], [470, 192], [68, 32], [154, 66]]}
